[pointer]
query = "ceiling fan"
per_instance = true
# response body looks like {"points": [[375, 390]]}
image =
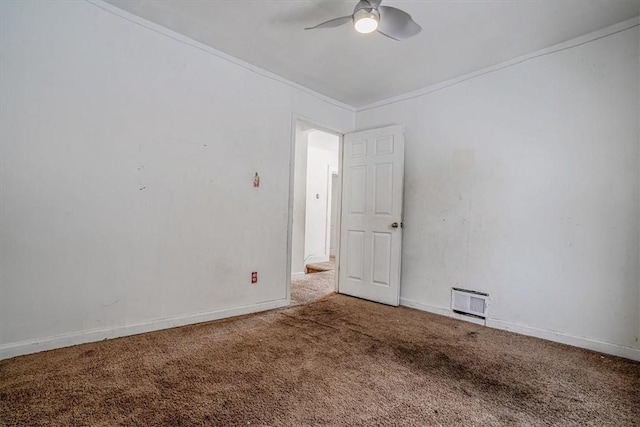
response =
{"points": [[368, 16]]}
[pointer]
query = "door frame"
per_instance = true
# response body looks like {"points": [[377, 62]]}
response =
{"points": [[295, 119], [331, 173]]}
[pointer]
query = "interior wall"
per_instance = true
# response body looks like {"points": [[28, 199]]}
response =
{"points": [[523, 182], [127, 161], [322, 159]]}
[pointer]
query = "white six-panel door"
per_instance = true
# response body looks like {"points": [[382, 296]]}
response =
{"points": [[370, 231]]}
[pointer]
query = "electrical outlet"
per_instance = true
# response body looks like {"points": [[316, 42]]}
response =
{"points": [[254, 277]]}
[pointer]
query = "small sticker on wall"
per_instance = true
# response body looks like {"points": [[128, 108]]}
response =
{"points": [[256, 180]]}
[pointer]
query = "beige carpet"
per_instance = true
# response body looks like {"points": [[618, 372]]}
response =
{"points": [[335, 362], [312, 287], [317, 267]]}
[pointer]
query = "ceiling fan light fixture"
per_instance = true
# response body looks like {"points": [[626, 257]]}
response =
{"points": [[366, 21], [369, 16]]}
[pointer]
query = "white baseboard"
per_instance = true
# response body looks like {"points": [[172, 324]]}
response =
{"points": [[316, 258], [298, 274], [588, 343], [75, 338]]}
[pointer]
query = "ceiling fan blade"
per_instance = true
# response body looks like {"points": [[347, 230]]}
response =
{"points": [[397, 24], [336, 22], [375, 3]]}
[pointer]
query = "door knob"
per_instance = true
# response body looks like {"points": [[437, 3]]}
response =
{"points": [[394, 225]]}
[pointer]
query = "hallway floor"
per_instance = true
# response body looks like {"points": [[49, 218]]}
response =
{"points": [[317, 267], [312, 287]]}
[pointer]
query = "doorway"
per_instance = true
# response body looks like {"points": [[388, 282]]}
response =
{"points": [[368, 242], [315, 213]]}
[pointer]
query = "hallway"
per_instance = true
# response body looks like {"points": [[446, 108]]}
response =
{"points": [[315, 285]]}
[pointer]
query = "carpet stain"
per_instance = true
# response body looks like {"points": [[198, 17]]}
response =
{"points": [[337, 361]]}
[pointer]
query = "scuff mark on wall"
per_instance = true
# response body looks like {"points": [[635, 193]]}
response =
{"points": [[111, 304]]}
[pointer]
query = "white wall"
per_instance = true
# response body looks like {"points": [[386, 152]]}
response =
{"points": [[322, 159], [127, 159], [524, 183]]}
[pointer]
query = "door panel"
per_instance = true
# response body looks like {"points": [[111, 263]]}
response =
{"points": [[370, 250], [357, 190], [381, 258], [355, 255], [383, 189]]}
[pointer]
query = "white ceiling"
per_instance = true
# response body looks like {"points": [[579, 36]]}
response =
{"points": [[458, 37]]}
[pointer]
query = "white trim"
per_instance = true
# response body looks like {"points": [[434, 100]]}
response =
{"points": [[582, 342], [208, 49], [312, 259], [596, 35], [578, 41], [299, 274], [75, 338], [593, 36], [336, 275], [560, 337], [295, 118]]}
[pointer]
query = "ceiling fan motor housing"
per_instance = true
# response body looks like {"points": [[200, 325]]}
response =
{"points": [[362, 4], [366, 13]]}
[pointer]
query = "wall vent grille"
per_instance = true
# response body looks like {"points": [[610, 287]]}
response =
{"points": [[469, 302]]}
